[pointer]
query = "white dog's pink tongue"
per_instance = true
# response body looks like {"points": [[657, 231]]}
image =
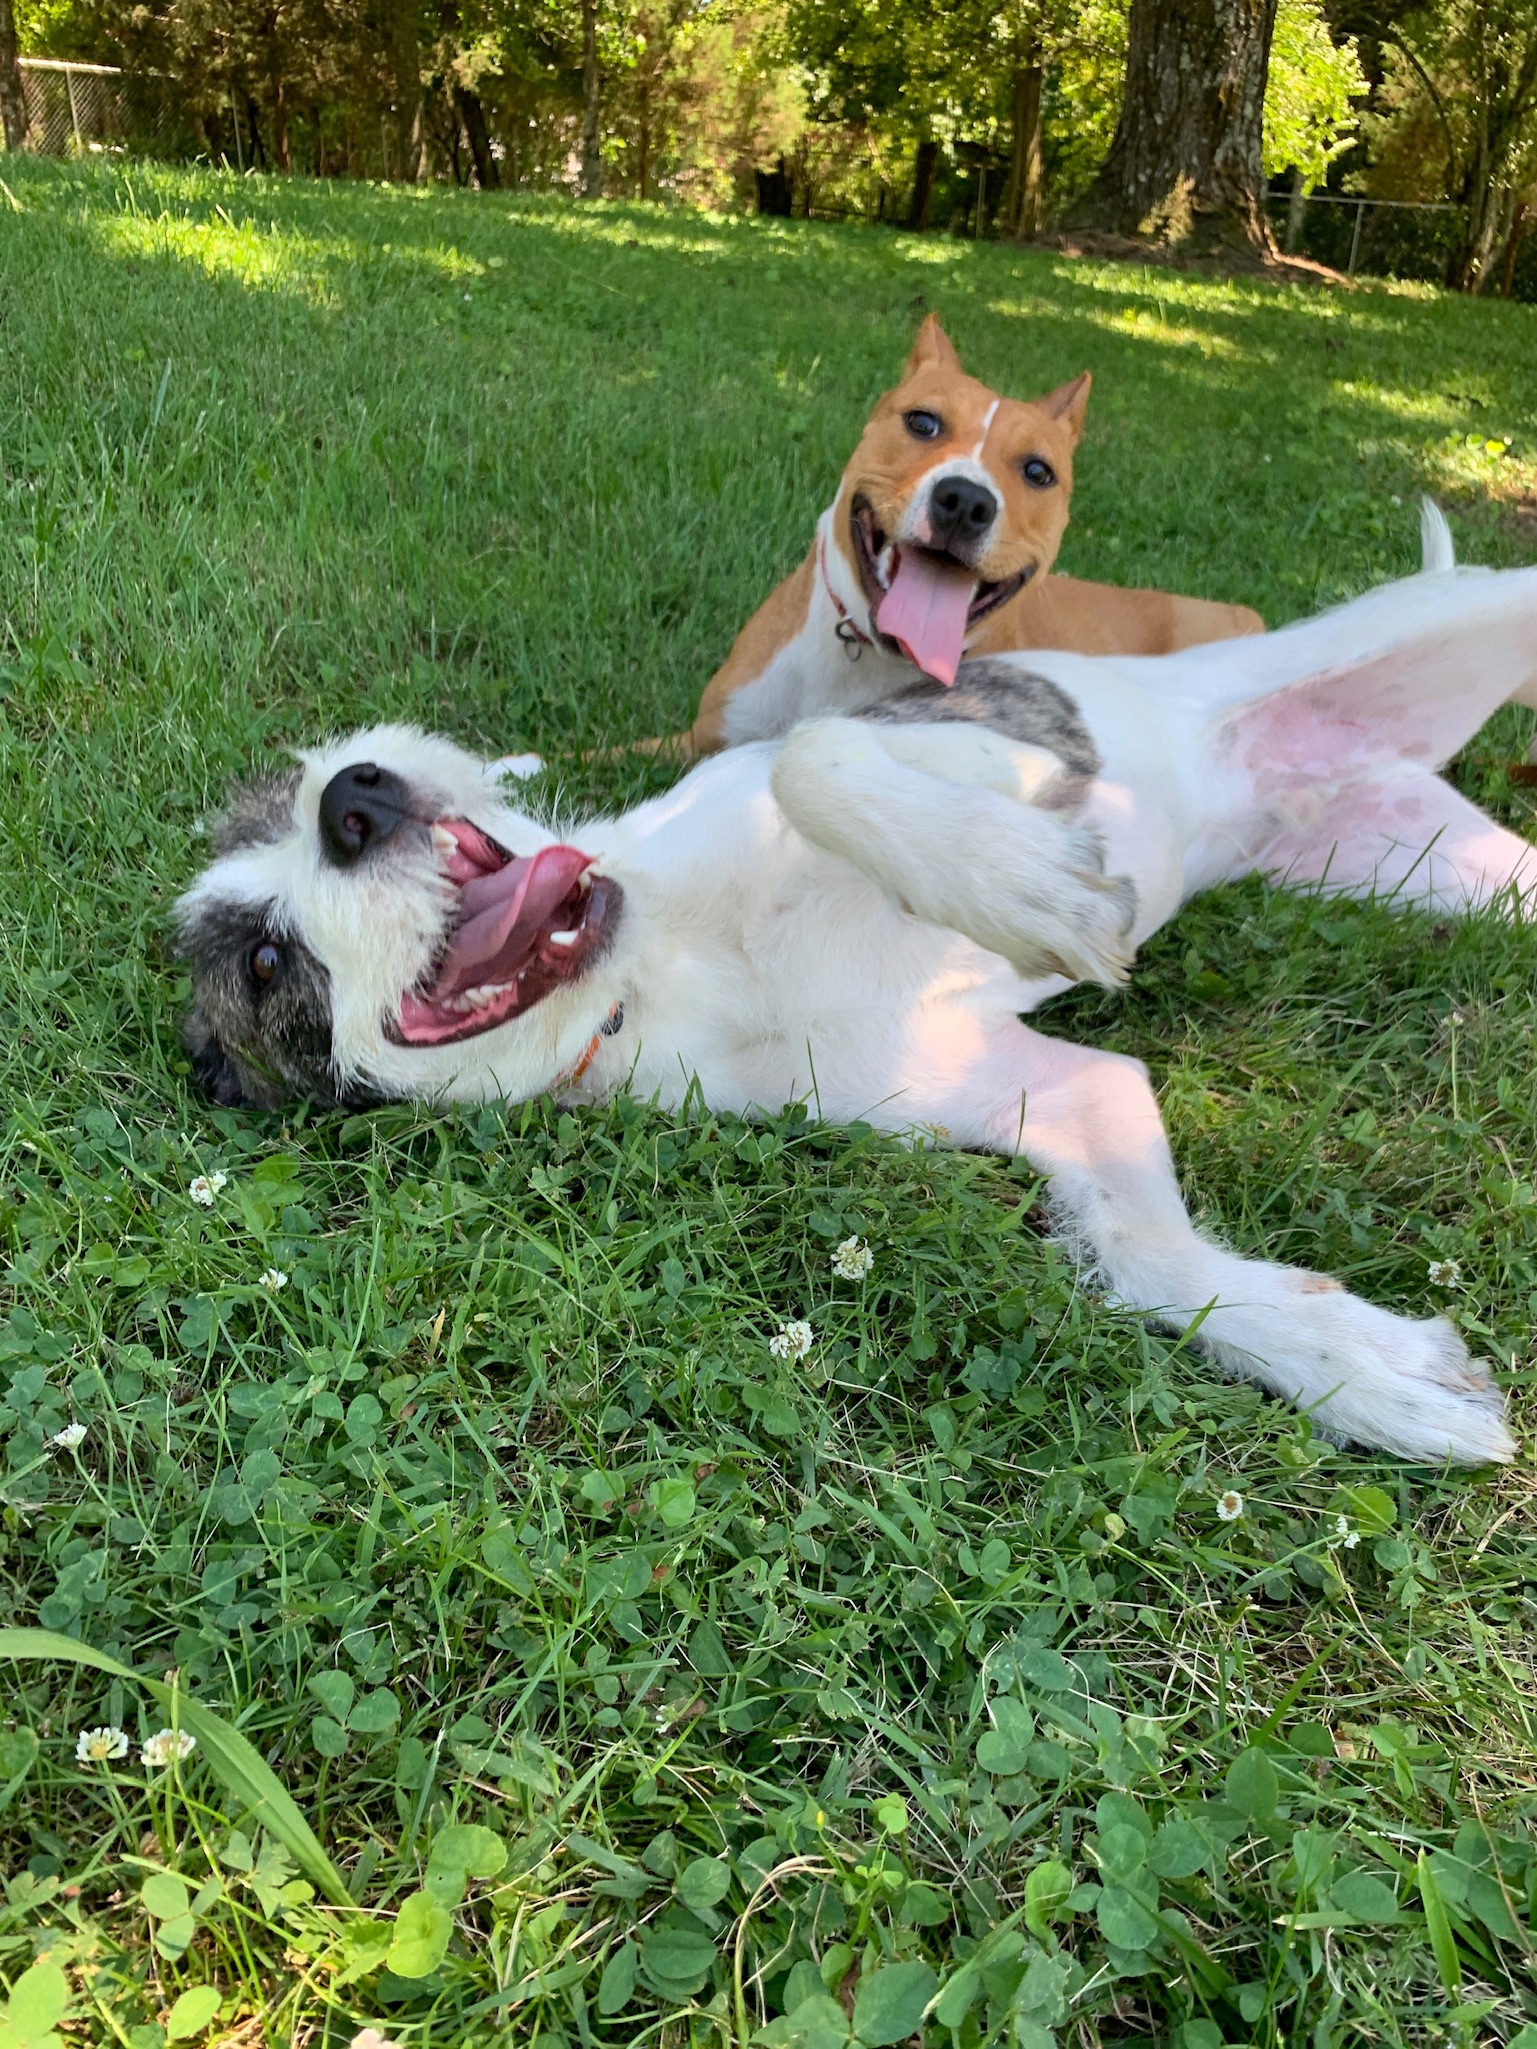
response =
{"points": [[502, 916], [925, 611]]}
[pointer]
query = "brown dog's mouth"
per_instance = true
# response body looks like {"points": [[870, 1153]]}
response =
{"points": [[937, 643], [522, 928]]}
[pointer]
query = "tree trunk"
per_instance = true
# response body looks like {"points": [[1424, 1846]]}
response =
{"points": [[280, 122], [1185, 164], [259, 155], [592, 161], [925, 165], [1512, 250], [1296, 212], [13, 105], [644, 151], [406, 62], [774, 190], [1470, 262], [1024, 196], [472, 112]]}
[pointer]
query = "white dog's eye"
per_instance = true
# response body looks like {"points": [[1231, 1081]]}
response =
{"points": [[266, 959], [1038, 471], [927, 426]]}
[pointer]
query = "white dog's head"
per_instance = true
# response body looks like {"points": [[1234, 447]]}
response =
{"points": [[377, 922]]}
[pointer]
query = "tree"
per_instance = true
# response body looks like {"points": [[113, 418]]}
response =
{"points": [[405, 47], [1311, 112], [1310, 102], [592, 160], [1185, 164], [13, 107], [1470, 67]]}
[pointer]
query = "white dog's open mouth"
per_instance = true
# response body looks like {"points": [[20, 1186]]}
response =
{"points": [[926, 601], [524, 927]]}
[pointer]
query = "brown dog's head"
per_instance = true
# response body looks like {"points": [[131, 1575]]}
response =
{"points": [[953, 500]]}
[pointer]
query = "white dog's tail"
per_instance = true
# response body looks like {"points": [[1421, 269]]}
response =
{"points": [[1438, 551]]}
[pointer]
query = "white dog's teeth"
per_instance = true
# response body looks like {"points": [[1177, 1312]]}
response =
{"points": [[444, 840], [562, 939], [584, 881]]}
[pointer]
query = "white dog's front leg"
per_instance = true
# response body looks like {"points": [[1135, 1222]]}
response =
{"points": [[1089, 1120], [1022, 881]]}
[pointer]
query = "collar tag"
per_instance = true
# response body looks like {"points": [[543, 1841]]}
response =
{"points": [[853, 640]]}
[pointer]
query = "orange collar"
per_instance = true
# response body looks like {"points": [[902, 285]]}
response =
{"points": [[846, 630], [579, 1067]]}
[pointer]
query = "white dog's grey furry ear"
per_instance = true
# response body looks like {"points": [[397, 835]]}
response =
{"points": [[216, 1073], [1438, 551]]}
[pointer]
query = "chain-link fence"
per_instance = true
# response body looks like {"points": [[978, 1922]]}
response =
{"points": [[80, 109], [1398, 238]]}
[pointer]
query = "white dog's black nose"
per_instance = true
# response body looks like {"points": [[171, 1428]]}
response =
{"points": [[359, 808], [961, 509]]}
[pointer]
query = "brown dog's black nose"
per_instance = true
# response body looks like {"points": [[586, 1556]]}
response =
{"points": [[960, 509], [359, 808]]}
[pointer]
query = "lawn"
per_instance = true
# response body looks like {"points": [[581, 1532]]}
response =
{"points": [[637, 1686]]}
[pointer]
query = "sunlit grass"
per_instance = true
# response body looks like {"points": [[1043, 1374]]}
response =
{"points": [[562, 1609]]}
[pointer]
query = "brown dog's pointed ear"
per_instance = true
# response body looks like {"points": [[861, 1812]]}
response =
{"points": [[933, 349], [1070, 402]]}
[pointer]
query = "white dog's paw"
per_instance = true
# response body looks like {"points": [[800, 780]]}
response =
{"points": [[518, 768], [1373, 1378], [1446, 1399], [1062, 918]]}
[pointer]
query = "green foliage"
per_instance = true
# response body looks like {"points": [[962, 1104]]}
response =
{"points": [[1314, 83], [1457, 119], [651, 1672]]}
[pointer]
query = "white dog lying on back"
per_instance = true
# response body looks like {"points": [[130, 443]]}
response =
{"points": [[827, 916]]}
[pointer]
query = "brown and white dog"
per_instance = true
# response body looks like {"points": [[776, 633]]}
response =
{"points": [[939, 542]]}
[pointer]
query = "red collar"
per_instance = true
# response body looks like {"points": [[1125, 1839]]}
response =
{"points": [[846, 630]]}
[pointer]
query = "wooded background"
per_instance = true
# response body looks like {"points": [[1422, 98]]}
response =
{"points": [[1172, 120]]}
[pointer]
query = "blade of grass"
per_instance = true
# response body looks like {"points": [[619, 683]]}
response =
{"points": [[234, 1761]]}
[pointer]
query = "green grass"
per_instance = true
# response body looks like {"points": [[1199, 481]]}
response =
{"points": [[670, 1685]]}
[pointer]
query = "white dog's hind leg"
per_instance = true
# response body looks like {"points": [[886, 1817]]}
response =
{"points": [[1408, 838], [1090, 1121], [1023, 882]]}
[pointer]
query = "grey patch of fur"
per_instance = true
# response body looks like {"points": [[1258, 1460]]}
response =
{"points": [[1010, 701], [263, 1043], [258, 813]]}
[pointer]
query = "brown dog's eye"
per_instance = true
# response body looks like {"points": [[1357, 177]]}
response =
{"points": [[266, 959], [1036, 470], [927, 426]]}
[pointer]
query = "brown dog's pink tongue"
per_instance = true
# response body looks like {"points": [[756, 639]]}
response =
{"points": [[925, 611]]}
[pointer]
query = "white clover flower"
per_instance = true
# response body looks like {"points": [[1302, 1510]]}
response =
{"points": [[792, 1341], [273, 1279], [70, 1438], [1229, 1506], [166, 1746], [853, 1260], [99, 1746], [1445, 1273], [203, 1188], [1344, 1534]]}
